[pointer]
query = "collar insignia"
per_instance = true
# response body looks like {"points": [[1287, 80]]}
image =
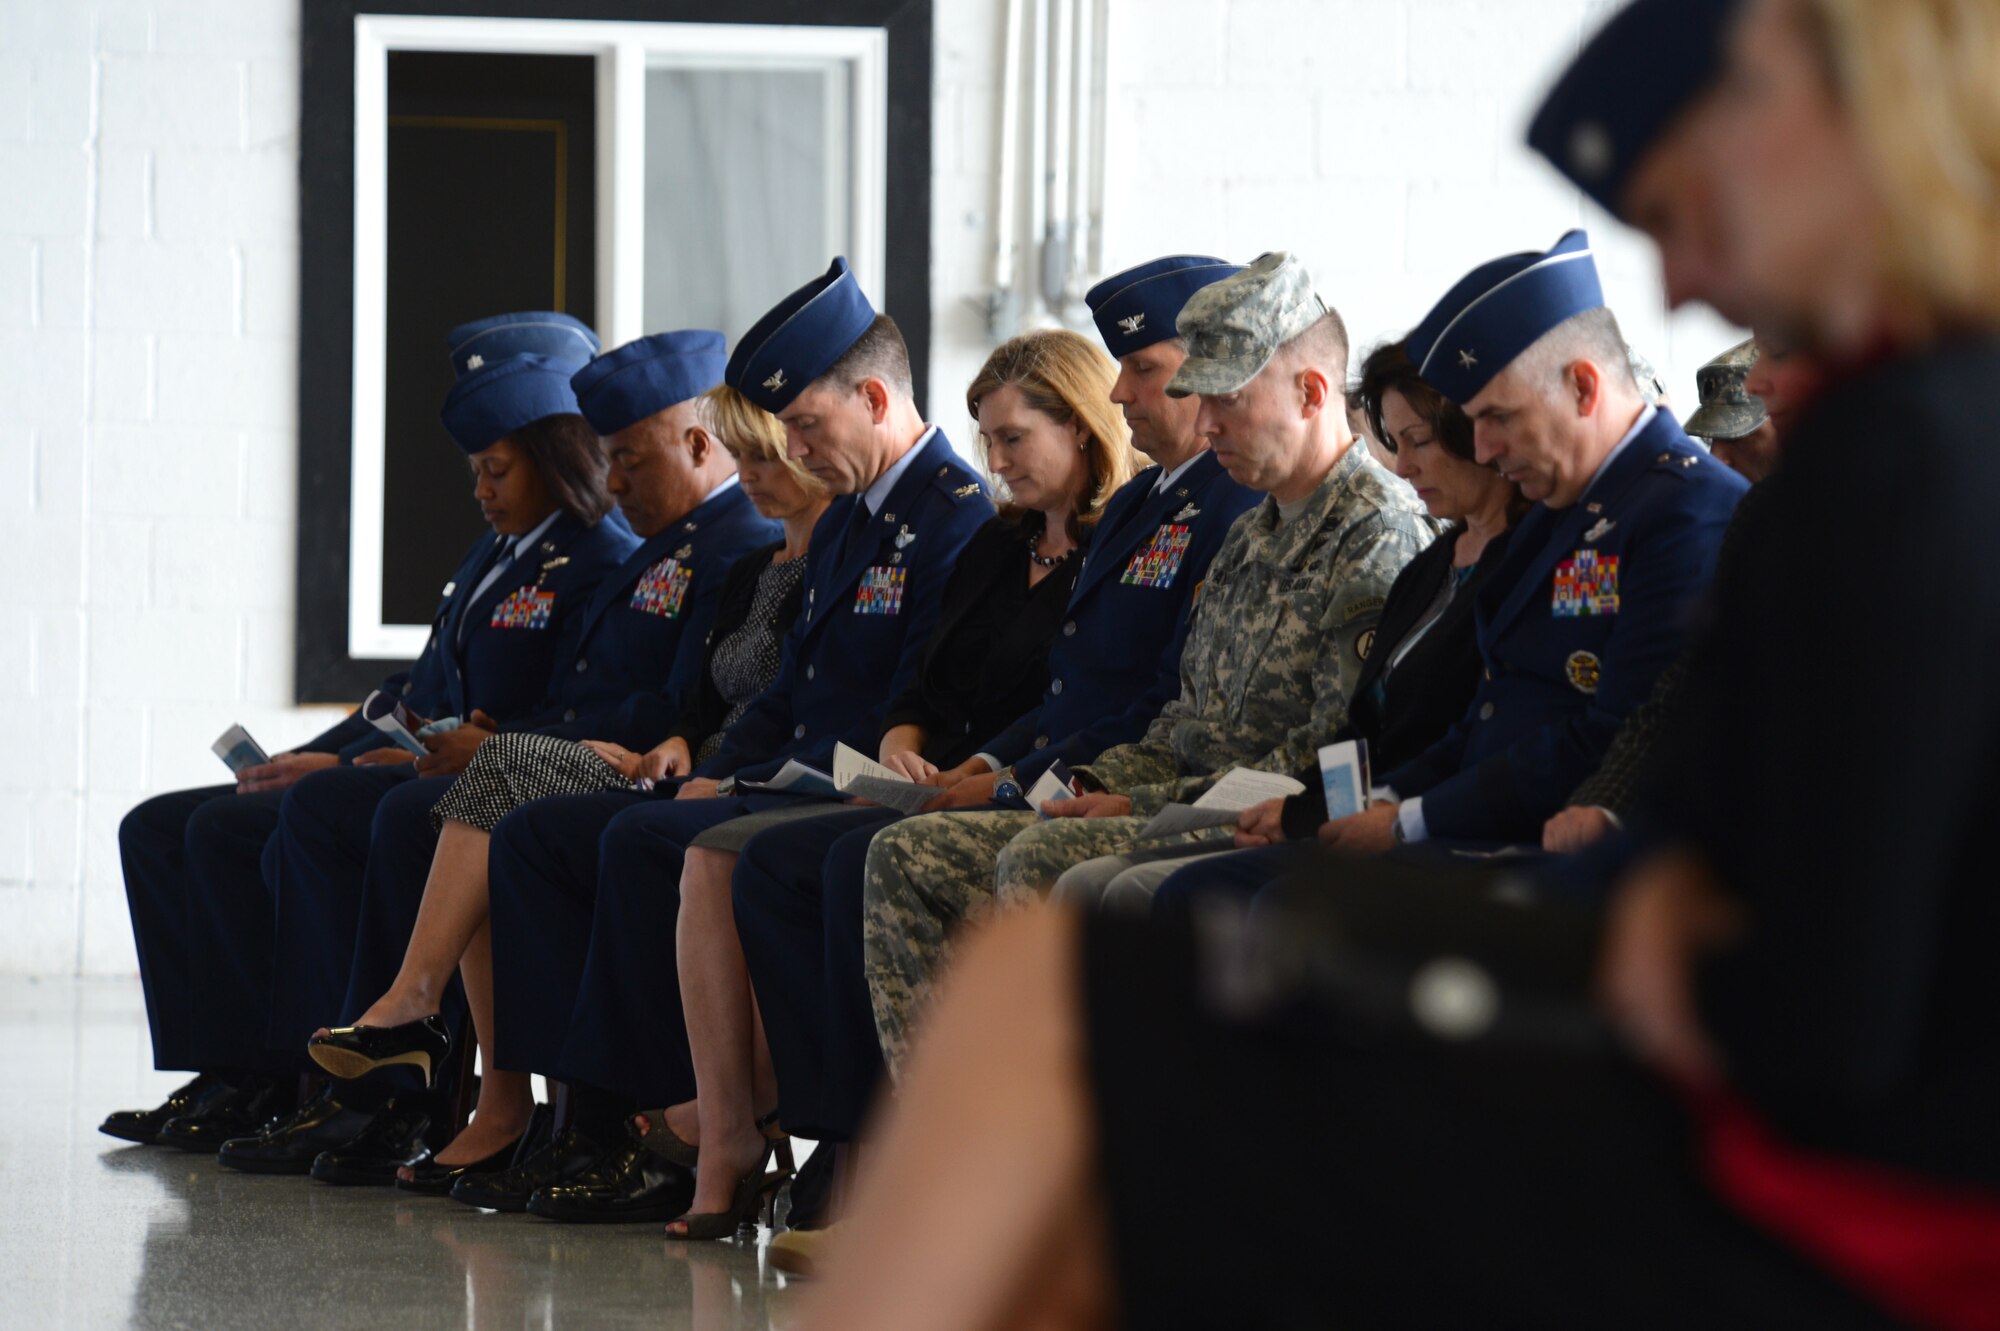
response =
{"points": [[966, 491]]}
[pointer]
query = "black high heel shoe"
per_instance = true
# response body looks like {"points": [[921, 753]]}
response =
{"points": [[355, 1051]]}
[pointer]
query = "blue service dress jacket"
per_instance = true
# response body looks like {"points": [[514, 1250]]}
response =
{"points": [[634, 656], [874, 589], [1588, 605], [510, 634], [1116, 661]]}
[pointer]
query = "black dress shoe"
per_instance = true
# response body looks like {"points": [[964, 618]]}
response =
{"points": [[567, 1156], [380, 1149], [143, 1125], [355, 1051], [631, 1183], [290, 1145], [233, 1112]]}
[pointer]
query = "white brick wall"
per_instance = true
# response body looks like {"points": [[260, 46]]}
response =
{"points": [[148, 326]]}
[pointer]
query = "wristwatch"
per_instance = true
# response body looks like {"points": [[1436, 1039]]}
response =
{"points": [[726, 786], [1007, 789]]}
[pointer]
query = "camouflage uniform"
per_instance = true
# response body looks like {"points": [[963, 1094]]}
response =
{"points": [[1278, 636]]}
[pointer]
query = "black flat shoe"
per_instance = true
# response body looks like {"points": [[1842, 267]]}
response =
{"points": [[567, 1156], [290, 1145], [356, 1051], [425, 1175], [235, 1111], [143, 1125], [372, 1158], [632, 1183]]}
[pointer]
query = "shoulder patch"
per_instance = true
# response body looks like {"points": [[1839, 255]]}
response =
{"points": [[1367, 605]]}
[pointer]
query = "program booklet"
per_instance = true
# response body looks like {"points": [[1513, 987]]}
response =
{"points": [[1343, 774], [388, 715], [1237, 791], [238, 751], [854, 776]]}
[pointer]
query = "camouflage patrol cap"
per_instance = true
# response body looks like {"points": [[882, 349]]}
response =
{"points": [[1234, 327], [1727, 410]]}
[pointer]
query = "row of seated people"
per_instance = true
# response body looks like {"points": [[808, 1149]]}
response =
{"points": [[601, 873]]}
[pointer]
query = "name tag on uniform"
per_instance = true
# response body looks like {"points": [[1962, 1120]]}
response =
{"points": [[881, 591], [1586, 584], [1159, 559], [528, 608], [663, 589]]}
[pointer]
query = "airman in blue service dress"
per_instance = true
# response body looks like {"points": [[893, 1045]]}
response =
{"points": [[498, 645], [201, 916], [1114, 664], [1590, 602], [624, 674], [583, 889]]}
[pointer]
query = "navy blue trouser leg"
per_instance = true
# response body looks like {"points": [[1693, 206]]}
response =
{"points": [[541, 886], [314, 867], [853, 1048], [781, 895], [229, 935], [401, 845], [628, 1032], [152, 846], [1240, 873]]}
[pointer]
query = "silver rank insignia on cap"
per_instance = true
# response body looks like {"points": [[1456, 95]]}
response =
{"points": [[474, 361], [1466, 360], [1189, 512], [904, 537], [1132, 323], [776, 381], [1597, 532], [1590, 150], [684, 552]]}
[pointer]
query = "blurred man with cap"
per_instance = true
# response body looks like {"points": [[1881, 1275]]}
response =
{"points": [[618, 676], [1624, 124], [1738, 429], [1278, 633], [582, 888], [798, 888], [200, 911], [1593, 596]]}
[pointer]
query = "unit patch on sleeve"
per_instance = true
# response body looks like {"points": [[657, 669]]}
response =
{"points": [[1586, 584], [881, 591], [528, 608], [1159, 559], [662, 590]]}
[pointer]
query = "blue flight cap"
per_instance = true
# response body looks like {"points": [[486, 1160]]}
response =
{"points": [[494, 401], [1499, 310], [800, 339], [489, 341], [625, 386], [1136, 308], [1632, 81]]}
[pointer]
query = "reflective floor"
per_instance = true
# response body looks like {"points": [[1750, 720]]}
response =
{"points": [[95, 1233]]}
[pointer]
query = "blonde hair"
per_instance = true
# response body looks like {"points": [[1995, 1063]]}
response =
{"points": [[749, 431], [1067, 378], [1916, 78]]}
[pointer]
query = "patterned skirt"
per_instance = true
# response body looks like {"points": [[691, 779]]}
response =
{"points": [[507, 771]]}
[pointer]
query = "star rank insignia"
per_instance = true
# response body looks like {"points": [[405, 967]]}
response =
{"points": [[776, 381], [1596, 533], [1132, 323], [1466, 360], [1189, 512]]}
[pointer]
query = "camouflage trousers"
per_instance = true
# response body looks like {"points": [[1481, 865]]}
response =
{"points": [[929, 876]]}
